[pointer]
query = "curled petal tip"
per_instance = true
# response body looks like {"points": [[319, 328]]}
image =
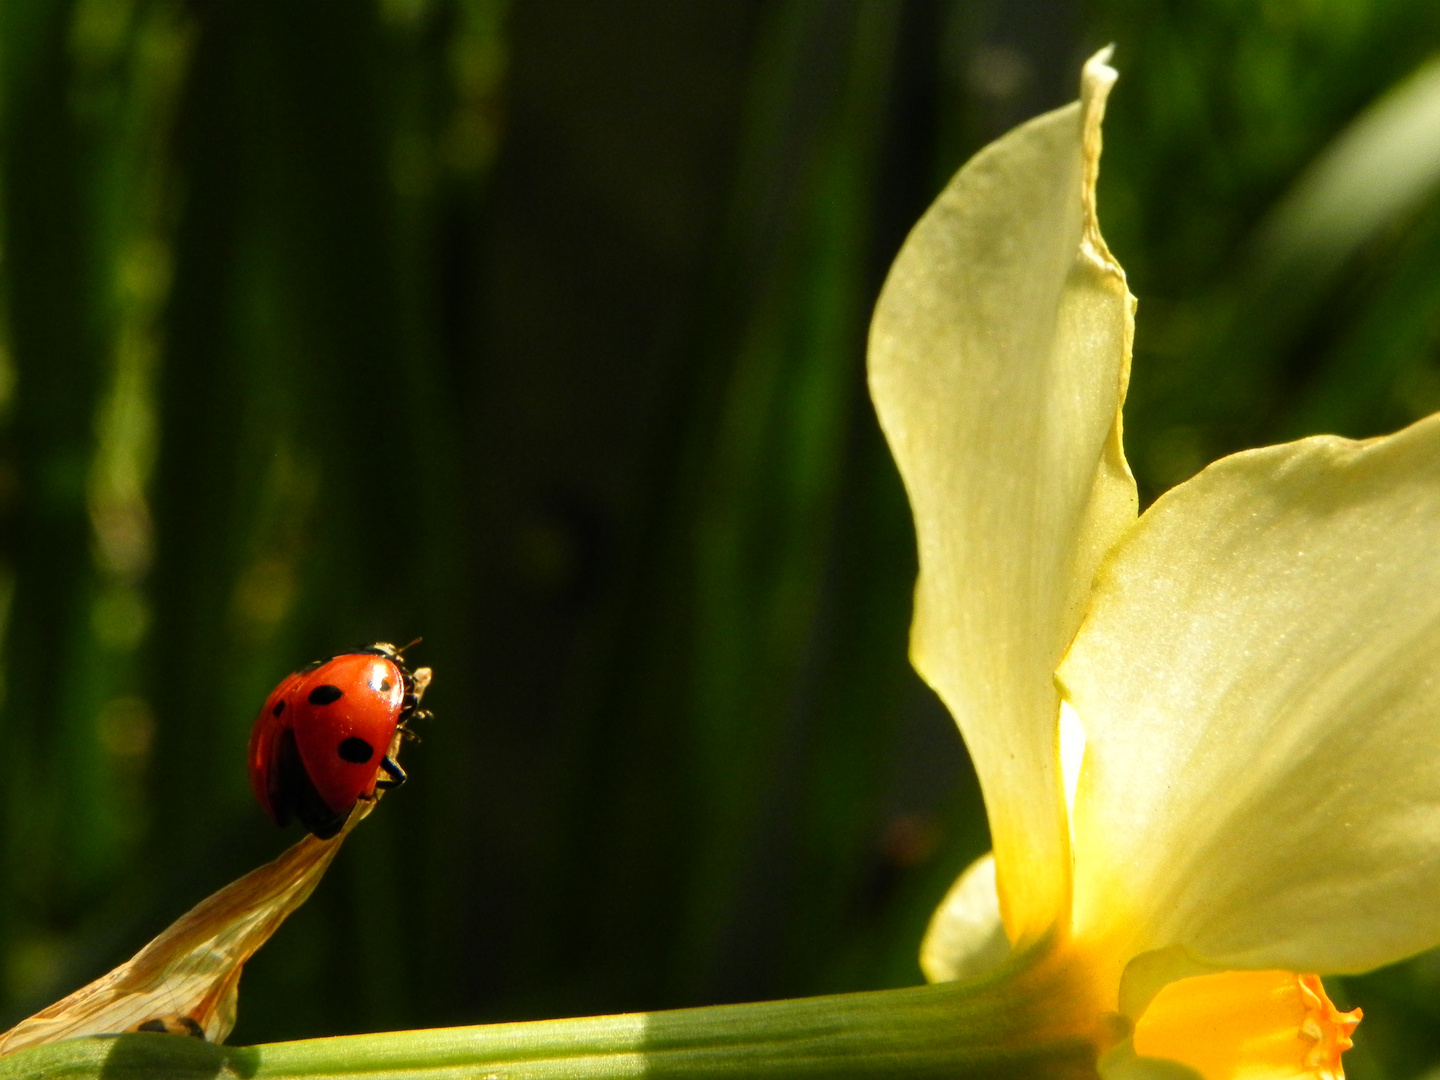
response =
{"points": [[1096, 80]]}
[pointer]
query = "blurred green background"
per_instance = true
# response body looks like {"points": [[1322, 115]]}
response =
{"points": [[536, 328]]}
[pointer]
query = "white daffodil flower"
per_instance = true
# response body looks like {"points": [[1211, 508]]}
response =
{"points": [[1208, 737]]}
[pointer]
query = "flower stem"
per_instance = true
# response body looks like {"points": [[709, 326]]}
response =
{"points": [[990, 1028]]}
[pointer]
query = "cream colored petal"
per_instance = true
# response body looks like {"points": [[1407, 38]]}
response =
{"points": [[999, 355], [1259, 679], [966, 937]]}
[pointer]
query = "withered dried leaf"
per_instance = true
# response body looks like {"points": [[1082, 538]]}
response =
{"points": [[191, 970], [187, 980]]}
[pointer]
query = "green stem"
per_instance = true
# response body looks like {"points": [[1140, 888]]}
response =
{"points": [[996, 1027]]}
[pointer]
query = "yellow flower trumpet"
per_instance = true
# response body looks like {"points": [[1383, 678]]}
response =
{"points": [[1208, 737]]}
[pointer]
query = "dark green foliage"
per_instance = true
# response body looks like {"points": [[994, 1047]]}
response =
{"points": [[1220, 108], [537, 329]]}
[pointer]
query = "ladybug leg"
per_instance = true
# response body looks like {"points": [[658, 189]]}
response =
{"points": [[408, 733], [394, 774]]}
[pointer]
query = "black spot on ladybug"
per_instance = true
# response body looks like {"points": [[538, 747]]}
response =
{"points": [[279, 708], [355, 750], [326, 695]]}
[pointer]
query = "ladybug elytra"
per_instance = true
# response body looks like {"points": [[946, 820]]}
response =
{"points": [[328, 735]]}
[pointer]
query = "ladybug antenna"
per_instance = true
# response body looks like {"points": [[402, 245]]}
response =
{"points": [[401, 651]]}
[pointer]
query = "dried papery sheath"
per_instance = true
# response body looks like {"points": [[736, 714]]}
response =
{"points": [[191, 972], [186, 981]]}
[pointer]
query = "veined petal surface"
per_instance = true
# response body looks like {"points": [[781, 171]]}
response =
{"points": [[1259, 679], [999, 354]]}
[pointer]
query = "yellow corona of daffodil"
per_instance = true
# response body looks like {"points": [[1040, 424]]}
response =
{"points": [[1208, 737]]}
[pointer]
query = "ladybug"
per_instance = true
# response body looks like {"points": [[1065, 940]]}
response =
{"points": [[328, 732]]}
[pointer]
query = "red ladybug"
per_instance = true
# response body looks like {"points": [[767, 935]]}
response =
{"points": [[328, 732]]}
